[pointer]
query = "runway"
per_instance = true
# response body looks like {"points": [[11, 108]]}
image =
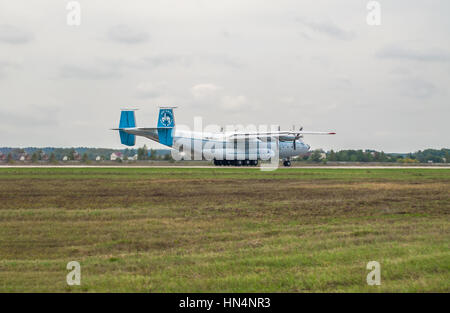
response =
{"points": [[229, 167]]}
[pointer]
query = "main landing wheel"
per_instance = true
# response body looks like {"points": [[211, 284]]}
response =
{"points": [[287, 163], [253, 162]]}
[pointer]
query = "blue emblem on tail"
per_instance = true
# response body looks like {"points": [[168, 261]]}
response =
{"points": [[166, 123], [166, 118]]}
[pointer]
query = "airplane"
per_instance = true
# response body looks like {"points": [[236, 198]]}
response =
{"points": [[238, 148]]}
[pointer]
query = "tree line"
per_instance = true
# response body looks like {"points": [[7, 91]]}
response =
{"points": [[81, 154], [54, 155], [425, 156]]}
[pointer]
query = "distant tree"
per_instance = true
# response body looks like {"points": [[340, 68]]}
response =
{"points": [[342, 155], [368, 156], [315, 156], [9, 158], [360, 157], [407, 160], [52, 158], [34, 157], [383, 157], [331, 156], [18, 151], [140, 154], [85, 158], [305, 157], [39, 154], [143, 153], [71, 154]]}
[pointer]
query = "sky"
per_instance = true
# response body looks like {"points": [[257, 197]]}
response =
{"points": [[316, 64]]}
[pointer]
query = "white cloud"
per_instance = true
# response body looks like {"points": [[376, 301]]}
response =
{"points": [[202, 91], [14, 35], [150, 90], [126, 34], [427, 54], [417, 88], [5, 66], [94, 72], [327, 28], [234, 103]]}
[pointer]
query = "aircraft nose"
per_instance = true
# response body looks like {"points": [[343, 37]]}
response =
{"points": [[307, 146]]}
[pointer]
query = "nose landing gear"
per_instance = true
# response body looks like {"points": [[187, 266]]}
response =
{"points": [[287, 163]]}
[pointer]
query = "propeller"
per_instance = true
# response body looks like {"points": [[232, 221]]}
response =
{"points": [[297, 136]]}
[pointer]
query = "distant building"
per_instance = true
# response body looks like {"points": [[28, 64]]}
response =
{"points": [[65, 158], [133, 158], [98, 158], [116, 155], [24, 157], [3, 157]]}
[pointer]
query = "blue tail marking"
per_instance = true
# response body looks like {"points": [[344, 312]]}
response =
{"points": [[166, 123], [127, 120]]}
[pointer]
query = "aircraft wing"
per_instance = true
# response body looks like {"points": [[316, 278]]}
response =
{"points": [[273, 134]]}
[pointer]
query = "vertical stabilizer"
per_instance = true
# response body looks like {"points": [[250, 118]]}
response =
{"points": [[166, 124], [127, 120]]}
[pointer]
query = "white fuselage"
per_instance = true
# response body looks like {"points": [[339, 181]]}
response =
{"points": [[201, 145]]}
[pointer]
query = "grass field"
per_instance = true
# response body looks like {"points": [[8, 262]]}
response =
{"points": [[224, 229]]}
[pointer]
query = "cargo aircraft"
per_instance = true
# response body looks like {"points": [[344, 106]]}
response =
{"points": [[237, 148]]}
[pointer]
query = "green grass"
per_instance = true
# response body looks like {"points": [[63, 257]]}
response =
{"points": [[224, 229]]}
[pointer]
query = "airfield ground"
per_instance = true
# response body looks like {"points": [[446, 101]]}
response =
{"points": [[224, 229]]}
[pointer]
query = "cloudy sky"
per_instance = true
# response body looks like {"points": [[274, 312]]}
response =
{"points": [[312, 63]]}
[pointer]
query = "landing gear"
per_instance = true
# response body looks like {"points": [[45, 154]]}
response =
{"points": [[236, 162], [287, 163], [218, 162]]}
